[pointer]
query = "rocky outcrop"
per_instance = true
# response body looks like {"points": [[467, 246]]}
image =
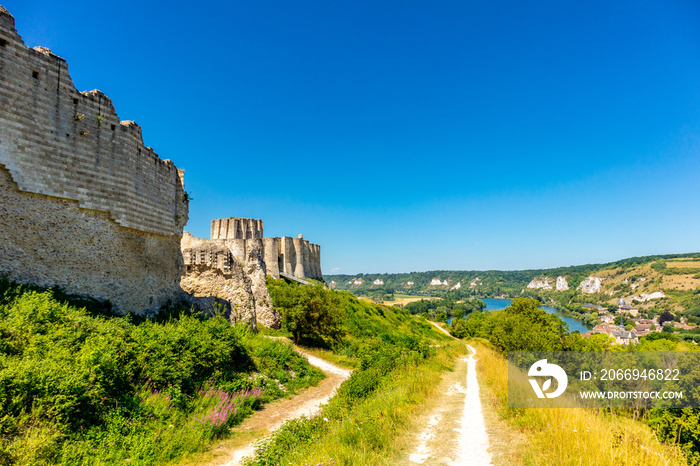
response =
{"points": [[212, 271], [539, 283], [562, 284], [649, 296], [232, 289], [591, 285], [255, 270]]}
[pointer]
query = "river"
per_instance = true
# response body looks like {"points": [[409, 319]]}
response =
{"points": [[494, 304]]}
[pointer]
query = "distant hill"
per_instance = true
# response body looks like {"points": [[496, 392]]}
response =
{"points": [[662, 282]]}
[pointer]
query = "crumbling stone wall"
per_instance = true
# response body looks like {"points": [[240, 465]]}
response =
{"points": [[293, 256], [212, 270], [213, 266], [84, 204]]}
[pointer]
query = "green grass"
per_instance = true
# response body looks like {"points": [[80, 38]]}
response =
{"points": [[369, 420], [78, 386], [396, 356]]}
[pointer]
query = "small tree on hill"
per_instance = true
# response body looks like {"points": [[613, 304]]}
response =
{"points": [[311, 313]]}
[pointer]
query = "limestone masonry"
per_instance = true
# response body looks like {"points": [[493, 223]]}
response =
{"points": [[83, 203], [292, 256], [231, 266], [86, 207]]}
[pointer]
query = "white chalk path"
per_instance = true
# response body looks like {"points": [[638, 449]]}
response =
{"points": [[472, 441]]}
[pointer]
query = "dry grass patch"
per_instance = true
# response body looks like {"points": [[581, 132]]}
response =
{"points": [[405, 299], [682, 264], [574, 436], [680, 282]]}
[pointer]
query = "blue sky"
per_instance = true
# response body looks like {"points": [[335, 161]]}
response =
{"points": [[411, 135]]}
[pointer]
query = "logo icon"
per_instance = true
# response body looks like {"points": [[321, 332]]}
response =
{"points": [[542, 369]]}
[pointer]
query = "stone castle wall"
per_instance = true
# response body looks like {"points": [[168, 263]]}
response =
{"points": [[236, 228], [212, 270], [293, 256], [85, 205], [231, 267]]}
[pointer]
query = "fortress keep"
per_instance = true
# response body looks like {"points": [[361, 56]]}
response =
{"points": [[291, 256], [232, 264], [84, 205], [212, 273]]}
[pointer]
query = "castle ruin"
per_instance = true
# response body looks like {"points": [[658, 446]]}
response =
{"points": [[233, 263], [84, 205], [294, 257]]}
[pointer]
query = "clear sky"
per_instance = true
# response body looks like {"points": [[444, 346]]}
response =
{"points": [[411, 135]]}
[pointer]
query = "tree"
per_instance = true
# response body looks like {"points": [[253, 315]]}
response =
{"points": [[666, 317], [312, 314], [669, 328], [523, 326]]}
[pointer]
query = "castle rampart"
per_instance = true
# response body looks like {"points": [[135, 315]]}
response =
{"points": [[292, 256], [85, 205], [63, 143], [236, 228]]}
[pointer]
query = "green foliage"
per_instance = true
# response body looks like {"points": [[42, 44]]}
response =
{"points": [[447, 306], [79, 387], [366, 409], [522, 326], [659, 266], [311, 313], [358, 322], [666, 317], [680, 426], [469, 327], [292, 434]]}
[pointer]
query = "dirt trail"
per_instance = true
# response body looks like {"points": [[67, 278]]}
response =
{"points": [[454, 432], [262, 423], [441, 329]]}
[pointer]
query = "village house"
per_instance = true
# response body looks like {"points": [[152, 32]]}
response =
{"points": [[621, 335], [594, 308], [633, 311]]}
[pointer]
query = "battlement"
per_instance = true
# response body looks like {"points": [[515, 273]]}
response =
{"points": [[84, 205], [292, 256], [59, 142]]}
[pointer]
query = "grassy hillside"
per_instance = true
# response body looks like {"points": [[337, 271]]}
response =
{"points": [[572, 436], [78, 386], [397, 358]]}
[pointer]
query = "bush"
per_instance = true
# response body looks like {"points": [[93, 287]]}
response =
{"points": [[79, 387], [312, 313]]}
